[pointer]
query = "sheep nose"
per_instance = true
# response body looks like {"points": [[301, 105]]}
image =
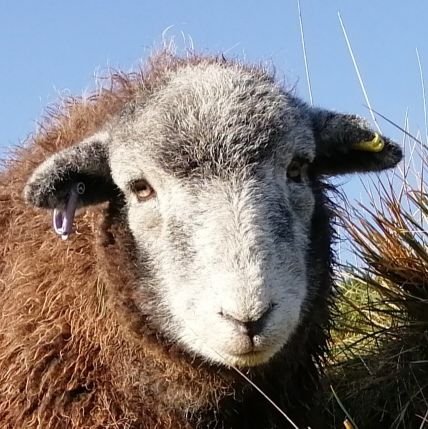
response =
{"points": [[250, 327]]}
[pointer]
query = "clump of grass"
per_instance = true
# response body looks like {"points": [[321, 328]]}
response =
{"points": [[380, 355], [356, 325]]}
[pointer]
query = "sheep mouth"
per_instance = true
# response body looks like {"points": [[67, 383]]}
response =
{"points": [[251, 358]]}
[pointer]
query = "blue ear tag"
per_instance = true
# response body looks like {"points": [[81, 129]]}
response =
{"points": [[63, 218]]}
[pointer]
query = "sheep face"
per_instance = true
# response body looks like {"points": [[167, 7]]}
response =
{"points": [[228, 261], [224, 227], [217, 168]]}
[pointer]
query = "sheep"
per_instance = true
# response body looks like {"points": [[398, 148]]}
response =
{"points": [[203, 247]]}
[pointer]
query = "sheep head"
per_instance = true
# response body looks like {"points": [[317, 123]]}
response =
{"points": [[219, 169]]}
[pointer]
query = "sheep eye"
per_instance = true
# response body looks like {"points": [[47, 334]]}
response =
{"points": [[296, 169], [142, 190]]}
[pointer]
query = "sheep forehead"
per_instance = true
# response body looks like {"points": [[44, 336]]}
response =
{"points": [[213, 119]]}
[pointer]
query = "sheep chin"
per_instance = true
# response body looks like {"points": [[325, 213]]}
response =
{"points": [[247, 360]]}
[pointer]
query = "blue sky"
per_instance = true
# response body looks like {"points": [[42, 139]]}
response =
{"points": [[49, 47]]}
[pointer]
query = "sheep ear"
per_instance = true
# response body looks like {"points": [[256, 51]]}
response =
{"points": [[346, 144], [83, 169]]}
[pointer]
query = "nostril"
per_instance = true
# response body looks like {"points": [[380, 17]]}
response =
{"points": [[250, 326]]}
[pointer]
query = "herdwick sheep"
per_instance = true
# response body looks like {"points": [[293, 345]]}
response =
{"points": [[206, 245]]}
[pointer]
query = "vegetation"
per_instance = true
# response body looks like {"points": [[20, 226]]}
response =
{"points": [[379, 371]]}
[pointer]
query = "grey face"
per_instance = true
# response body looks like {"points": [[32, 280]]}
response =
{"points": [[229, 258], [224, 227], [213, 166]]}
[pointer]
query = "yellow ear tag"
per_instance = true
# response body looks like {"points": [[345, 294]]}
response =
{"points": [[374, 145]]}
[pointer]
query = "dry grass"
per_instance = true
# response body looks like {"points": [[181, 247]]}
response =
{"points": [[380, 356]]}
